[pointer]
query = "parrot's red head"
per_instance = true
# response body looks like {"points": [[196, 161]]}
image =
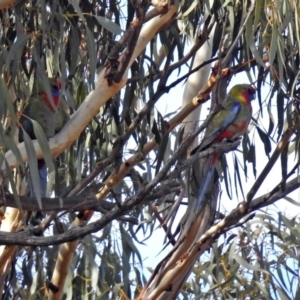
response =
{"points": [[243, 92], [56, 82], [55, 87]]}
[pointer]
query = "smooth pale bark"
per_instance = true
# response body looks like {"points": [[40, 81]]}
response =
{"points": [[6, 3], [196, 82], [10, 223]]}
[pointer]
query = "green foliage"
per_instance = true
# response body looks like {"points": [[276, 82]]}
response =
{"points": [[71, 40], [257, 261]]}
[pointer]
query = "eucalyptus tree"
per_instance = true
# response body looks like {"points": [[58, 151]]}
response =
{"points": [[120, 166]]}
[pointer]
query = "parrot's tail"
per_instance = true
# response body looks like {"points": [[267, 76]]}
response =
{"points": [[36, 217], [204, 185]]}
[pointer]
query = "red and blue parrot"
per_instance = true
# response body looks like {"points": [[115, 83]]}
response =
{"points": [[230, 123], [51, 115]]}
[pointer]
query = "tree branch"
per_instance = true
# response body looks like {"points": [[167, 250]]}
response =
{"points": [[96, 99], [27, 237]]}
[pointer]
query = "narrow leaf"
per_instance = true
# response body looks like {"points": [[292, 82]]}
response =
{"points": [[109, 25], [265, 139], [44, 144], [33, 165]]}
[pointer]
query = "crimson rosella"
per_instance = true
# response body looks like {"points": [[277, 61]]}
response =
{"points": [[51, 115], [230, 123]]}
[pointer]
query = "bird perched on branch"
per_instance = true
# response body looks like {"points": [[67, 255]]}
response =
{"points": [[51, 114], [229, 123]]}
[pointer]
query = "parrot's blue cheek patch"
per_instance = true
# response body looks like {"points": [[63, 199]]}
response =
{"points": [[252, 97]]}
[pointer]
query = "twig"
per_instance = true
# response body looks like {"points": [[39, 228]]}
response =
{"points": [[231, 49], [163, 224], [280, 147]]}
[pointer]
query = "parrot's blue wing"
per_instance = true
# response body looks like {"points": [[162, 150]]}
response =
{"points": [[232, 115]]}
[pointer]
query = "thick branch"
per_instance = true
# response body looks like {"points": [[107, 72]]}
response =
{"points": [[26, 238], [6, 3], [58, 204]]}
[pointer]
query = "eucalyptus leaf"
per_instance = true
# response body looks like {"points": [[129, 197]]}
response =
{"points": [[33, 166], [109, 25]]}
